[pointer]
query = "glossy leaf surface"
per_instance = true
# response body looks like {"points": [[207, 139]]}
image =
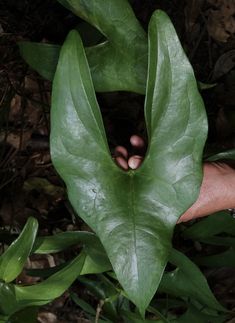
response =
{"points": [[14, 258], [119, 63], [133, 212]]}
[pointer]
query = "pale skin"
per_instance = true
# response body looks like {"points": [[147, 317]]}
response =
{"points": [[217, 191]]}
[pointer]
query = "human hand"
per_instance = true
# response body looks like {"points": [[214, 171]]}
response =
{"points": [[217, 191], [130, 162]]}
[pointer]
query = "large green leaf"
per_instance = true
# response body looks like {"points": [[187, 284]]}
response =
{"points": [[119, 63], [133, 213], [14, 258]]}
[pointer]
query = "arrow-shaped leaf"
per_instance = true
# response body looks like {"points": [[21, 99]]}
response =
{"points": [[133, 212]]}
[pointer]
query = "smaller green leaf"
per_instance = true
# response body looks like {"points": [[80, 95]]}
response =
{"points": [[220, 222], [220, 241], [224, 259], [41, 57], [153, 310], [103, 289], [13, 259], [188, 281], [205, 86], [95, 266], [8, 303], [228, 154], [193, 315], [118, 63], [89, 267], [84, 305], [3, 318], [63, 240], [50, 288], [96, 259]]}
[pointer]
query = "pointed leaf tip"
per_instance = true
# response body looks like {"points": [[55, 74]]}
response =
{"points": [[13, 259]]}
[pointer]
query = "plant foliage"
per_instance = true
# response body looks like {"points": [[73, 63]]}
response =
{"points": [[133, 213]]}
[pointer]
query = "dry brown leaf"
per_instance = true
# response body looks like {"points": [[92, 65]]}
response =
{"points": [[221, 22], [18, 139], [47, 317], [35, 262], [15, 109]]}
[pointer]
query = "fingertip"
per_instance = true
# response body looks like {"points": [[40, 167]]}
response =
{"points": [[135, 161], [121, 162], [120, 150], [137, 141]]}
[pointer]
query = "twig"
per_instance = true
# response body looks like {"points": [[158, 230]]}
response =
{"points": [[98, 311]]}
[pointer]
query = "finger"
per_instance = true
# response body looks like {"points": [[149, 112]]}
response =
{"points": [[137, 142], [121, 162], [188, 217], [135, 161], [121, 151]]}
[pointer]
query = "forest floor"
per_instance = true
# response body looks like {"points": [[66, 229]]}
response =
{"points": [[29, 185]]}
